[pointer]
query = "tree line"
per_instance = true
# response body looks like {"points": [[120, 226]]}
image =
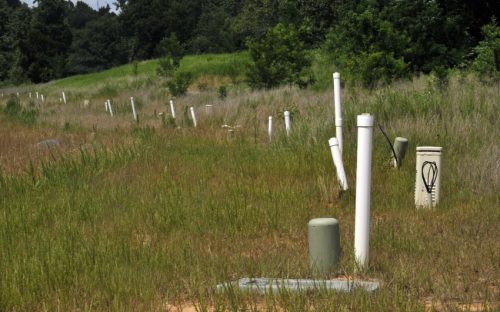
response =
{"points": [[386, 38]]}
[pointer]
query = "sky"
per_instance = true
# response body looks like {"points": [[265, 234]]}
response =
{"points": [[92, 3]]}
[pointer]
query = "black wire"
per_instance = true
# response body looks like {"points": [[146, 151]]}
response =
{"points": [[431, 177], [389, 142]]}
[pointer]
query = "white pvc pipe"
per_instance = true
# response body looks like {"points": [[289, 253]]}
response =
{"points": [[172, 109], [64, 97], [209, 108], [134, 114], [287, 122], [337, 161], [338, 111], [270, 127], [106, 105], [193, 116], [110, 108], [43, 99], [363, 177], [37, 95]]}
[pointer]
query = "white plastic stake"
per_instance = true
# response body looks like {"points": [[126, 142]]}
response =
{"points": [[363, 177], [193, 116], [37, 95], [287, 122], [64, 97], [338, 110], [172, 109], [43, 99], [106, 106], [337, 161], [110, 108], [270, 128], [133, 108]]}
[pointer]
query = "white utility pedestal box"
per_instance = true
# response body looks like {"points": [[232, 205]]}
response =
{"points": [[428, 176]]}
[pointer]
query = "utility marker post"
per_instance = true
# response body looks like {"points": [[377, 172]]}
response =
{"points": [[110, 108], [193, 116], [338, 110], [134, 114], [337, 161], [172, 109], [287, 123], [64, 97], [363, 183]]}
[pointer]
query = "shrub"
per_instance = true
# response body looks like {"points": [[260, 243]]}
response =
{"points": [[179, 84], [487, 61], [279, 58]]}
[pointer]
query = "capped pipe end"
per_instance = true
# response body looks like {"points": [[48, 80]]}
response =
{"points": [[401, 139], [365, 120], [333, 142], [336, 75]]}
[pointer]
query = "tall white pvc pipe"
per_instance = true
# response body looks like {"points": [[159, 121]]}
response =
{"points": [[287, 123], [110, 108], [134, 114], [172, 109], [64, 97], [270, 128], [338, 110], [195, 124], [337, 161], [363, 177]]}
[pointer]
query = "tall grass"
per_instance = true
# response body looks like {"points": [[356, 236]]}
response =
{"points": [[161, 219]]}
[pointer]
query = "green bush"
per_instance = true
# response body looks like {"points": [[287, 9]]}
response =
{"points": [[487, 61], [371, 55], [279, 58], [179, 84]]}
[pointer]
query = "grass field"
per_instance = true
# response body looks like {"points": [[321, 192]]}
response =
{"points": [[147, 217]]}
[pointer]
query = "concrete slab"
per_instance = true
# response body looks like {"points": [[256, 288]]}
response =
{"points": [[273, 285]]}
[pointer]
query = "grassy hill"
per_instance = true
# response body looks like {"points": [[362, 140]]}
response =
{"points": [[150, 216], [229, 64]]}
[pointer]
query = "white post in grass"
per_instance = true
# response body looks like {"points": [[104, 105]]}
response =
{"points": [[43, 99], [30, 95], [37, 95], [172, 109], [338, 111], [106, 106], [134, 114], [363, 177], [337, 161], [287, 122], [64, 97], [193, 116], [270, 128], [110, 108]]}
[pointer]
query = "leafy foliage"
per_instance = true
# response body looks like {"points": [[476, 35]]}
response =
{"points": [[279, 58], [487, 61], [179, 84]]}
